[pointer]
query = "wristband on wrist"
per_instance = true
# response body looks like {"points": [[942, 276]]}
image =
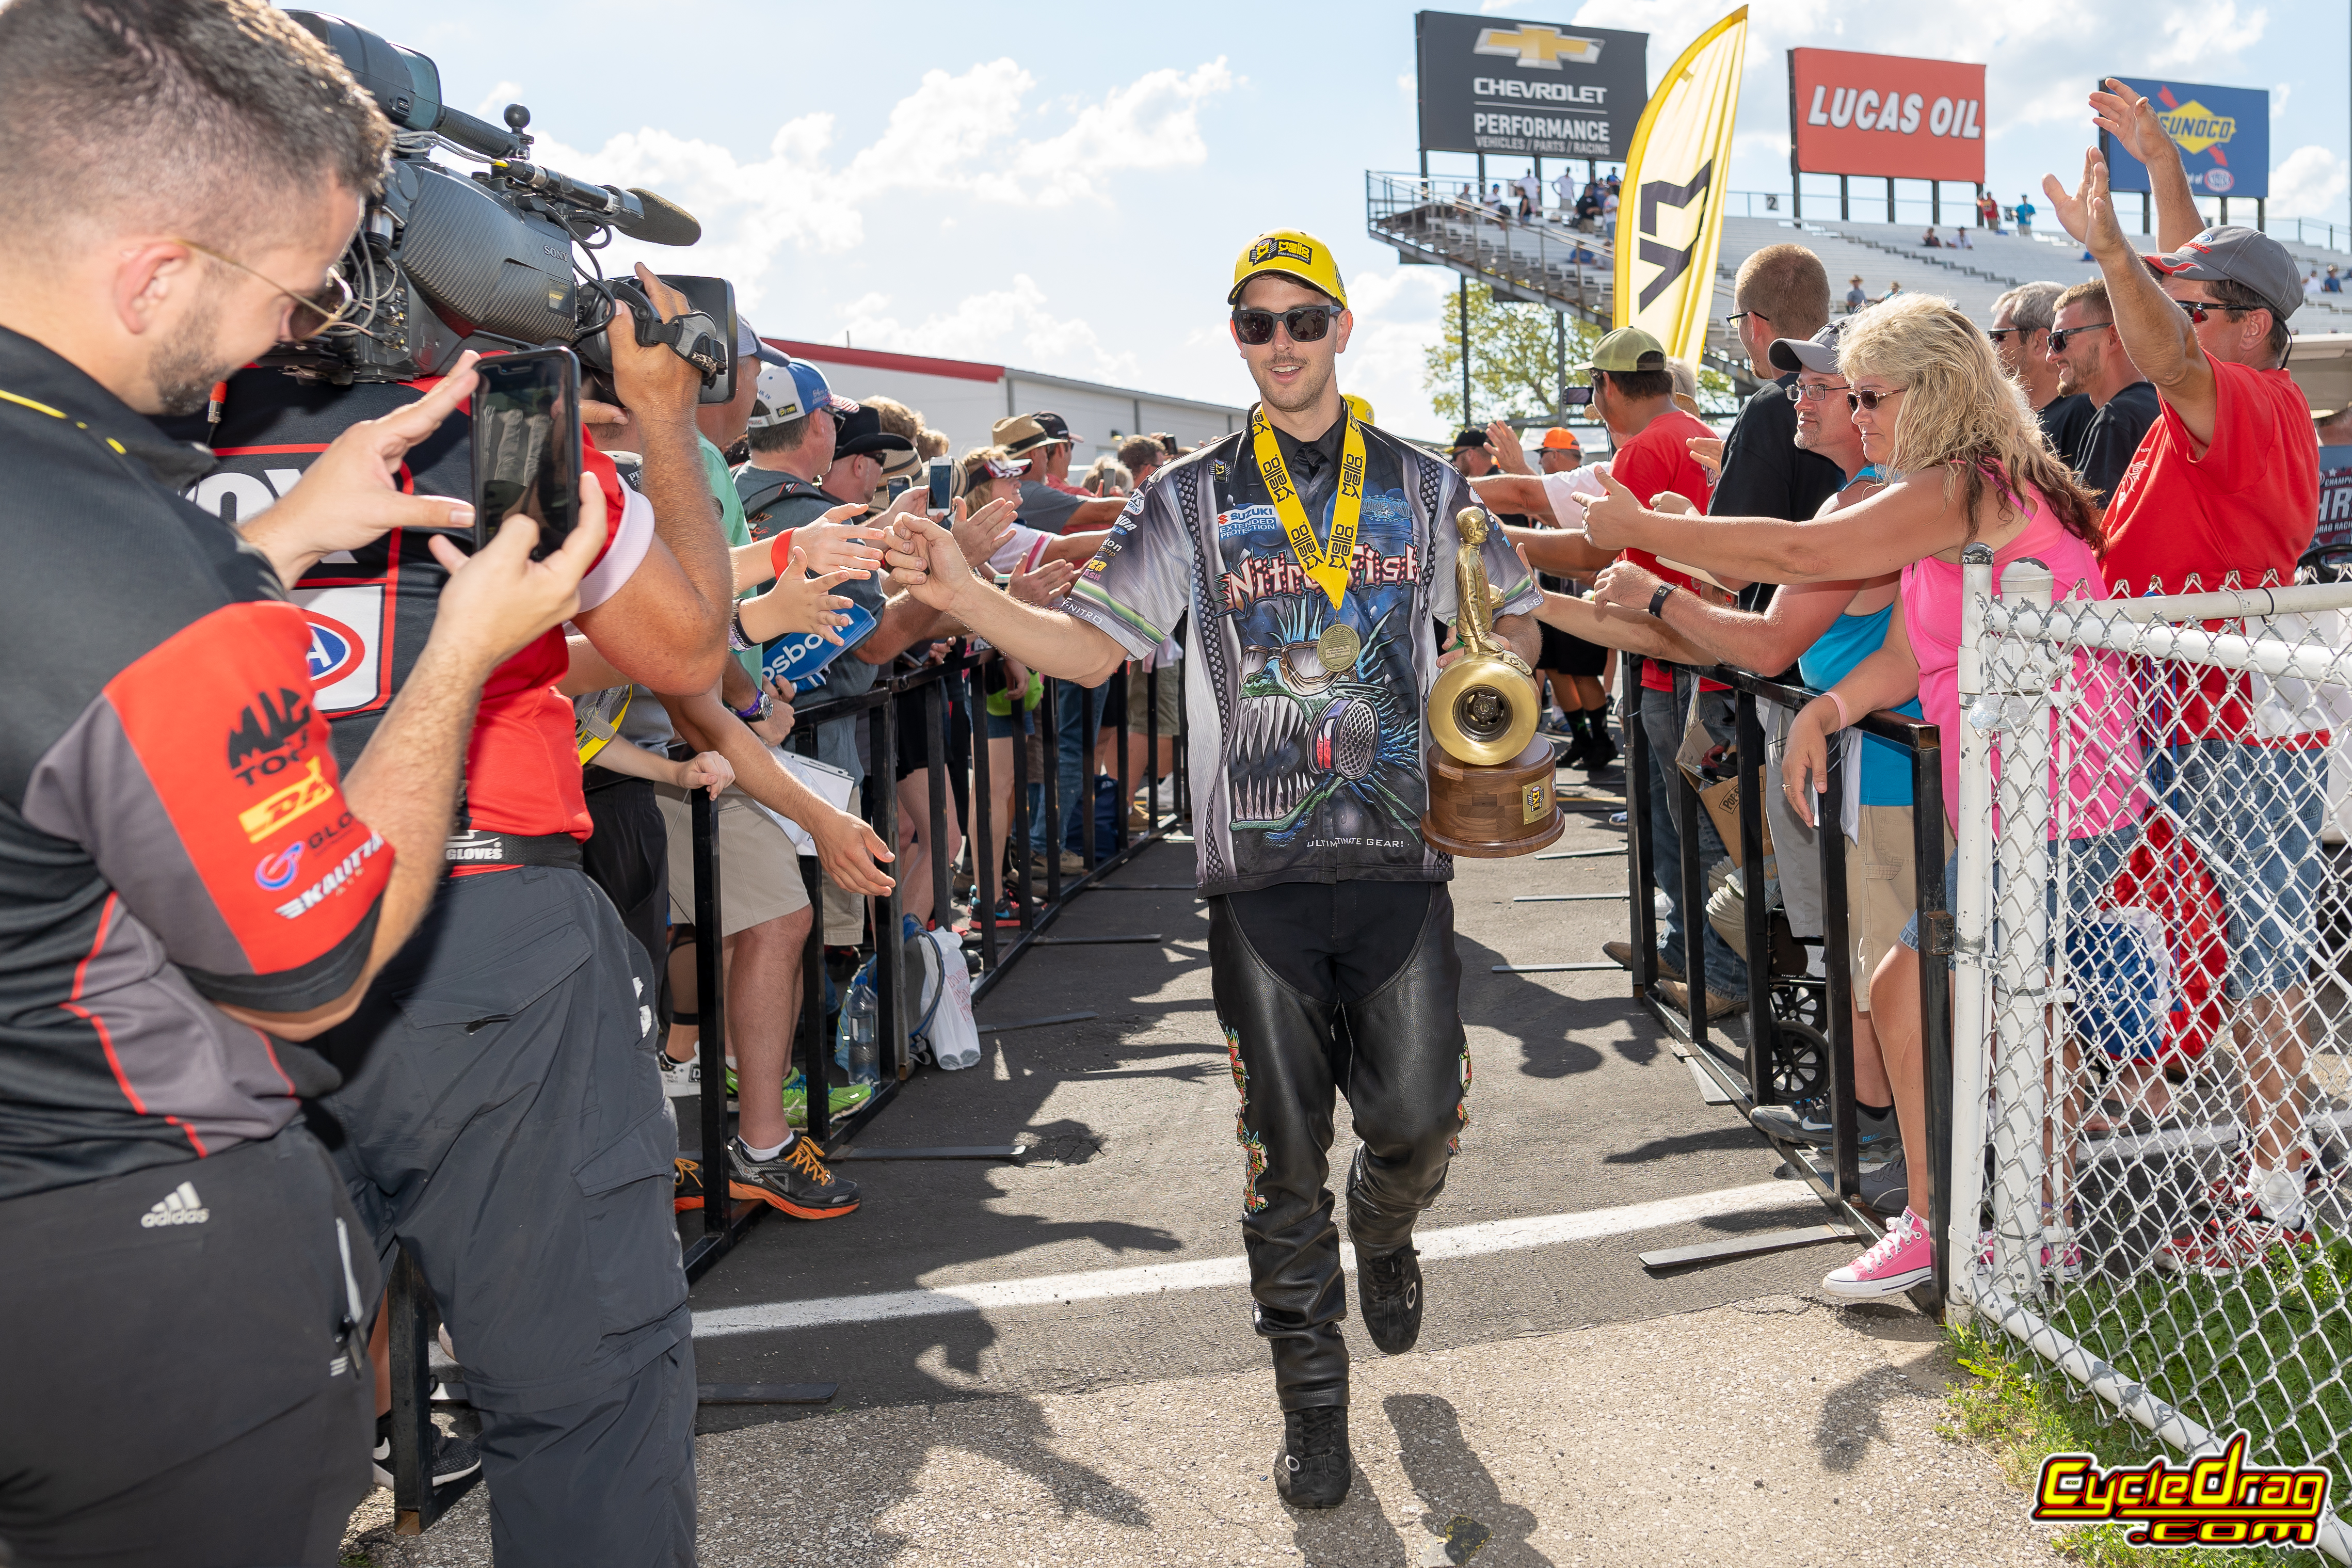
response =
{"points": [[779, 552], [738, 640], [1839, 702], [1658, 600], [762, 706]]}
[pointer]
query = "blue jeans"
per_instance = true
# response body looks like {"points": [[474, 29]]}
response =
{"points": [[1661, 720], [1077, 712], [2254, 813]]}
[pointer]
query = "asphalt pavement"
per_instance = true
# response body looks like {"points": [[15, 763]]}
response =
{"points": [[1053, 1360]]}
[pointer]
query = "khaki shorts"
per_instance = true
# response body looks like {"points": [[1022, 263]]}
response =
{"points": [[1167, 690], [759, 871], [1881, 890], [845, 915]]}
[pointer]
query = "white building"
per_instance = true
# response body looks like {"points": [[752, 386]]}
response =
{"points": [[964, 398]]}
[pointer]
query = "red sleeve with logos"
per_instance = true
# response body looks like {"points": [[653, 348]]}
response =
{"points": [[213, 803]]}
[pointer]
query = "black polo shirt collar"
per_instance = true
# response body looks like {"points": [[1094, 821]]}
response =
{"points": [[36, 376]]}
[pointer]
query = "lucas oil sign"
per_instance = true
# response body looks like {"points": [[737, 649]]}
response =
{"points": [[1886, 114], [2224, 134], [1545, 89]]}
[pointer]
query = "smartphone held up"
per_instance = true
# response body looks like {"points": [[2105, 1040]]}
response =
{"points": [[526, 448]]}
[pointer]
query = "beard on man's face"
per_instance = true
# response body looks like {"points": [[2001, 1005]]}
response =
{"points": [[188, 366]]}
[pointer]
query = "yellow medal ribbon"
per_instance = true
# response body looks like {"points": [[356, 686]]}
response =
{"points": [[1326, 564]]}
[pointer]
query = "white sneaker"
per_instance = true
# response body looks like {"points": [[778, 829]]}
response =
{"points": [[680, 1079]]}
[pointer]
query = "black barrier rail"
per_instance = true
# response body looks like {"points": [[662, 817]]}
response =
{"points": [[947, 692], [1783, 1050]]}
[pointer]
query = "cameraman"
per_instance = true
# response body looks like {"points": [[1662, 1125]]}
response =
{"points": [[189, 889], [502, 1113]]}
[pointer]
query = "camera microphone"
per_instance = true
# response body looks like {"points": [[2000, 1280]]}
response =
{"points": [[664, 223]]}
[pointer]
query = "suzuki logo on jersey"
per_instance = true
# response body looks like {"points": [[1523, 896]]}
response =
{"points": [[270, 734], [278, 870], [335, 649]]}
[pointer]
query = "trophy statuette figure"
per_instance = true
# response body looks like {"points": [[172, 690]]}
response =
{"points": [[1490, 775]]}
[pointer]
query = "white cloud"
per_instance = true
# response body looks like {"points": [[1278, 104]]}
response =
{"points": [[953, 134], [1006, 324], [1398, 313], [492, 106], [2308, 182]]}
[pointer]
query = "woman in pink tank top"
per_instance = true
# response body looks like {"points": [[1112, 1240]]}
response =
{"points": [[1935, 410]]}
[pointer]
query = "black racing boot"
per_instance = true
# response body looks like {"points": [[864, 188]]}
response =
{"points": [[1388, 1297], [1313, 1467], [1580, 742]]}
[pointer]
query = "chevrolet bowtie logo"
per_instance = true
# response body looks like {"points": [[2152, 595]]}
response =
{"points": [[1542, 48]]}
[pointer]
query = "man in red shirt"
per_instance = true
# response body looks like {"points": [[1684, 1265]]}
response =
{"points": [[1633, 394], [2223, 491]]}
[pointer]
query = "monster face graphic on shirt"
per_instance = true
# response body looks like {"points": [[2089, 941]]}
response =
{"points": [[1317, 755], [1305, 761]]}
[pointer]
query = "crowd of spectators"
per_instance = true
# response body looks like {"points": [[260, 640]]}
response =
{"points": [[2136, 433]]}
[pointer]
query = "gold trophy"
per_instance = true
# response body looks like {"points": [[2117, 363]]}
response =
{"points": [[1490, 776]]}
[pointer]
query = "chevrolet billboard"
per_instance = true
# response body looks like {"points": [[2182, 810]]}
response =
{"points": [[1529, 88]]}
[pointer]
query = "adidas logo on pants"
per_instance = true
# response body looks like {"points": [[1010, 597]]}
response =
{"points": [[179, 1206]]}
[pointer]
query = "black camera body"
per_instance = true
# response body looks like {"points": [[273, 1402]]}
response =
{"points": [[446, 261]]}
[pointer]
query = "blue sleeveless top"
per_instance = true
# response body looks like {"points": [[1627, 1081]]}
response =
{"points": [[1850, 639]]}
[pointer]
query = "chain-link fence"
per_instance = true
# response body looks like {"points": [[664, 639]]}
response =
{"points": [[2151, 1015]]}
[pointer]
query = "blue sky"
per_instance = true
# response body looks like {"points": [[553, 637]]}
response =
{"points": [[1064, 190]]}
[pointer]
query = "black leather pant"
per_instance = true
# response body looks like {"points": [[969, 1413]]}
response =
{"points": [[1302, 1016]]}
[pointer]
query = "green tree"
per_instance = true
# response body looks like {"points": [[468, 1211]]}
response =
{"points": [[1514, 360], [1515, 363]]}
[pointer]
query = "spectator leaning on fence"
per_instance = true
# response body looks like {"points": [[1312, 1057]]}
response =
{"points": [[1825, 629], [1968, 466], [2093, 360], [2021, 319], [2225, 490]]}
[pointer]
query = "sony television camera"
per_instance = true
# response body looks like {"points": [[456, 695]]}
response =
{"points": [[502, 258]]}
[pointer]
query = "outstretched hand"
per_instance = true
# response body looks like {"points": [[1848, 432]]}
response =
{"points": [[1626, 587], [1611, 520], [2129, 117], [850, 852], [924, 558], [983, 533], [2089, 213]]}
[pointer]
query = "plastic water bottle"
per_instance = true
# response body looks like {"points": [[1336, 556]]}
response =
{"points": [[854, 1045]]}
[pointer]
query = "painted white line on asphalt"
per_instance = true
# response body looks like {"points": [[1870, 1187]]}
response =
{"points": [[1152, 1279]]}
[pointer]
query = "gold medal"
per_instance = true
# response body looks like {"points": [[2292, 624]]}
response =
{"points": [[1337, 648]]}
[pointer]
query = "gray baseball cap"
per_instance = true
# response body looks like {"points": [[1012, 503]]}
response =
{"points": [[1817, 353], [2243, 256]]}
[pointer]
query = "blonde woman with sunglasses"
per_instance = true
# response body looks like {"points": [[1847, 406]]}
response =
{"points": [[1967, 465]]}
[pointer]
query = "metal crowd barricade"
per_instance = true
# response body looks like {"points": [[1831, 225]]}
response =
{"points": [[1798, 1035], [943, 688], [2152, 1006]]}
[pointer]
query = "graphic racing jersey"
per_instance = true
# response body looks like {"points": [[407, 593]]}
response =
{"points": [[1300, 773]]}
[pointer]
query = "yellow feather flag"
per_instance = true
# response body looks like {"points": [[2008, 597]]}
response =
{"points": [[1670, 212]]}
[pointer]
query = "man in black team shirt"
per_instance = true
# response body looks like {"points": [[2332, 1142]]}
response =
{"points": [[190, 885], [1308, 661]]}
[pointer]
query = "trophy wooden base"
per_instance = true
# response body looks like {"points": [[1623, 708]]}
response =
{"points": [[1492, 812]]}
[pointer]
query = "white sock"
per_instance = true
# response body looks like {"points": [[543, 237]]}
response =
{"points": [[764, 1155]]}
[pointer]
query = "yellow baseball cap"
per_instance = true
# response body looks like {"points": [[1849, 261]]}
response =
{"points": [[1293, 253], [1359, 407]]}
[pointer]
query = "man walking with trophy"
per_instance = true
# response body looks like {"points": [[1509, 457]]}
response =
{"points": [[1308, 555]]}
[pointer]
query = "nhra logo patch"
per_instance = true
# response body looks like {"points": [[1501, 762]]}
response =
{"points": [[335, 649], [1272, 245]]}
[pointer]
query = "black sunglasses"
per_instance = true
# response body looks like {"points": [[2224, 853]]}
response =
{"points": [[1998, 334], [1305, 323], [2060, 336], [2198, 310], [1871, 400]]}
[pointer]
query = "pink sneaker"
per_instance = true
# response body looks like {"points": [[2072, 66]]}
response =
{"points": [[1905, 1257], [2062, 1255]]}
